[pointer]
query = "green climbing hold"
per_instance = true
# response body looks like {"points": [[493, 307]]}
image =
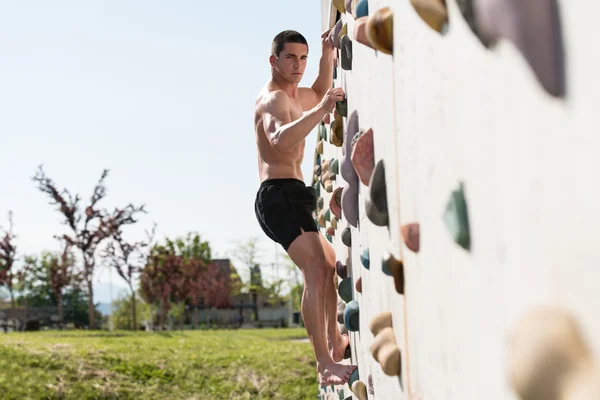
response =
{"points": [[456, 218], [329, 238], [341, 394], [342, 107], [345, 289], [320, 202], [323, 131], [353, 377], [364, 259], [334, 166], [334, 73], [328, 215]]}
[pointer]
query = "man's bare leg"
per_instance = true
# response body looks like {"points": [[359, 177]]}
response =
{"points": [[338, 341], [308, 253]]}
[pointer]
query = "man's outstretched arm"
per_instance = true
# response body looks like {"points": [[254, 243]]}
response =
{"points": [[284, 133]]}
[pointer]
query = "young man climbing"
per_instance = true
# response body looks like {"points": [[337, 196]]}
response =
{"points": [[284, 115]]}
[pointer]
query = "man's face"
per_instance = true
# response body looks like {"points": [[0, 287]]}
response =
{"points": [[291, 62]]}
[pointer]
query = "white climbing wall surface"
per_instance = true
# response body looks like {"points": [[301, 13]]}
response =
{"points": [[447, 111]]}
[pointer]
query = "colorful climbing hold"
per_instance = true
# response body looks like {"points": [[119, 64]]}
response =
{"points": [[412, 236], [335, 203], [334, 222], [376, 201], [343, 31], [364, 259], [351, 316], [360, 390], [549, 359], [386, 352], [346, 53], [320, 203], [394, 267], [337, 130], [323, 131], [358, 284], [345, 289], [363, 155], [534, 27], [361, 9], [342, 107], [347, 237], [320, 147], [340, 268], [348, 6], [330, 231], [380, 321], [333, 37], [353, 377], [380, 30], [334, 166], [433, 12], [456, 218], [340, 5]]}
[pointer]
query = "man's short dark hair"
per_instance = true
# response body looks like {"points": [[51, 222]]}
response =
{"points": [[284, 37]]}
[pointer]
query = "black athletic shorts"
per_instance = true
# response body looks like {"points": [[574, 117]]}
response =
{"points": [[283, 207]]}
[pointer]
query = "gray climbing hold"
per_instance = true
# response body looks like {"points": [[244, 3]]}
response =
{"points": [[346, 50], [341, 270], [376, 202], [347, 237]]}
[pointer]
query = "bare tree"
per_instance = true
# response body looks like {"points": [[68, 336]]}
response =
{"points": [[90, 226], [128, 259], [8, 253]]}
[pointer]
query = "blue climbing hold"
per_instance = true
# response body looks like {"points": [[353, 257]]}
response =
{"points": [[364, 259], [362, 8], [351, 316]]}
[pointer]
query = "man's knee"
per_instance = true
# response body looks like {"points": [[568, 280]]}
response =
{"points": [[317, 271]]}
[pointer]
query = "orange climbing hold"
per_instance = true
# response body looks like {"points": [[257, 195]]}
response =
{"points": [[380, 30]]}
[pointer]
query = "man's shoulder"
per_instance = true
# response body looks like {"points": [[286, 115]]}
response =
{"points": [[275, 98]]}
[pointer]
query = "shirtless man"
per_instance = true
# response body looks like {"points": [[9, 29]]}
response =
{"points": [[285, 114]]}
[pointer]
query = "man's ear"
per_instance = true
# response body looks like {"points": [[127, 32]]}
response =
{"points": [[272, 59]]}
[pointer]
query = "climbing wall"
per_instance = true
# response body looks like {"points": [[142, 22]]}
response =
{"points": [[482, 120]]}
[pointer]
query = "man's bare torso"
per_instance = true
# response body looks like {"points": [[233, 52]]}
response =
{"points": [[273, 164]]}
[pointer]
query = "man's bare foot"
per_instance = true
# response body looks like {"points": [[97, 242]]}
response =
{"points": [[334, 373], [340, 343]]}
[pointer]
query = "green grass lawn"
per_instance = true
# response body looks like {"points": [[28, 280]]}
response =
{"points": [[209, 364]]}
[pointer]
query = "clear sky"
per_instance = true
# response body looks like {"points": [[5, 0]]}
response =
{"points": [[161, 93]]}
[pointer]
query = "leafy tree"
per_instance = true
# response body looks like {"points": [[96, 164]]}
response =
{"points": [[247, 253], [121, 311], [90, 225], [36, 288], [8, 252]]}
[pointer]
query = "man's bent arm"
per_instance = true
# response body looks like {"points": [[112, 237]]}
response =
{"points": [[325, 78], [279, 127]]}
